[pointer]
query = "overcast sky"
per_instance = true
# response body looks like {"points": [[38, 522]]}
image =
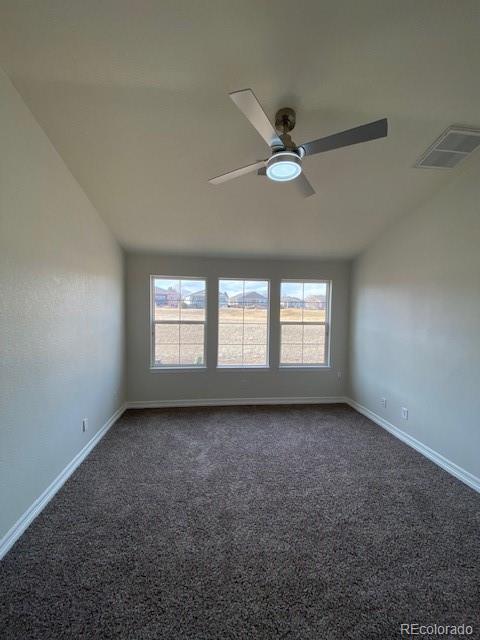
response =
{"points": [[232, 287], [302, 290]]}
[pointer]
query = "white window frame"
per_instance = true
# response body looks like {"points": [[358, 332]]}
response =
{"points": [[326, 323], [244, 367], [154, 322]]}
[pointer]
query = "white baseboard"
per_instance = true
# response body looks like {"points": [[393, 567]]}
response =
{"points": [[446, 464], [40, 503], [226, 402]]}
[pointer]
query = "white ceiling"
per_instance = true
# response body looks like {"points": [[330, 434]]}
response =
{"points": [[134, 96]]}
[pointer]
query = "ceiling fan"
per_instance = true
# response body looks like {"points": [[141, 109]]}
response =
{"points": [[285, 161]]}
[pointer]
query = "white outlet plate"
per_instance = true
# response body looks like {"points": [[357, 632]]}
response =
{"points": [[405, 413], [383, 402], [84, 425]]}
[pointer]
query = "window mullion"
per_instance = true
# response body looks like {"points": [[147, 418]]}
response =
{"points": [[243, 325], [303, 320]]}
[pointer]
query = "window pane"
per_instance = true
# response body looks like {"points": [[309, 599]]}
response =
{"points": [[166, 344], [189, 313], [243, 307], [191, 333], [313, 354], [254, 355], [189, 287], [291, 301], [166, 355], [291, 354], [314, 334], [230, 314], [167, 333], [313, 315], [256, 294], [255, 334], [315, 301], [315, 289], [230, 333], [230, 293], [255, 315], [292, 290], [193, 300], [166, 297], [229, 355], [291, 314], [191, 354], [292, 334], [170, 314]]}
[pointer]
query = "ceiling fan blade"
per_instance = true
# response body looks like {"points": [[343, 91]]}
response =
{"points": [[248, 104], [363, 133], [303, 185], [238, 172]]}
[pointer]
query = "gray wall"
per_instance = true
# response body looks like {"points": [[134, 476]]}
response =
{"points": [[211, 383], [61, 313], [415, 323]]}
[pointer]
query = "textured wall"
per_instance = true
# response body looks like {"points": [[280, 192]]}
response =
{"points": [[144, 384], [416, 322], [62, 328]]}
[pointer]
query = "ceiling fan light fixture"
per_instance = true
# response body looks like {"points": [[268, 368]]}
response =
{"points": [[284, 166]]}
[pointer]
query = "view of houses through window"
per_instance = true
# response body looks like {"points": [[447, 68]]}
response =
{"points": [[303, 319], [243, 323], [179, 317], [178, 322]]}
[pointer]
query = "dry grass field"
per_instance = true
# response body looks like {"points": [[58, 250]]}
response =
{"points": [[242, 336]]}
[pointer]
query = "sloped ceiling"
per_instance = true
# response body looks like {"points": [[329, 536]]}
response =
{"points": [[134, 96]]}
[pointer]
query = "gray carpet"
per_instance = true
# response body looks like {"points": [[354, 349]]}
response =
{"points": [[298, 522]]}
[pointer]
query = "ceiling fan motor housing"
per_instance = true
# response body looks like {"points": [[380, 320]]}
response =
{"points": [[285, 120]]}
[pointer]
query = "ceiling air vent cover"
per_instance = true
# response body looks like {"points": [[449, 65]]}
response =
{"points": [[455, 144]]}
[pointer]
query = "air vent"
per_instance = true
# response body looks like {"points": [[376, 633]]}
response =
{"points": [[455, 144]]}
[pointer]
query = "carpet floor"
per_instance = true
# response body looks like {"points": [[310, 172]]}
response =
{"points": [[298, 522]]}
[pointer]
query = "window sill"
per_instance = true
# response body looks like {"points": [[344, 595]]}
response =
{"points": [[235, 367], [160, 369], [305, 367]]}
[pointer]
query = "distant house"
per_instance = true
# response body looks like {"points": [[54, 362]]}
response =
{"points": [[315, 302], [166, 297], [161, 297], [291, 302], [172, 297], [251, 299], [195, 300]]}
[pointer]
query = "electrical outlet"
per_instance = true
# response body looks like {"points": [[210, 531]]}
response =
{"points": [[405, 413], [339, 374], [84, 425], [383, 402]]}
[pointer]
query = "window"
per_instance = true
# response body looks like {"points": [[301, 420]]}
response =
{"points": [[243, 309], [304, 320], [178, 322]]}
